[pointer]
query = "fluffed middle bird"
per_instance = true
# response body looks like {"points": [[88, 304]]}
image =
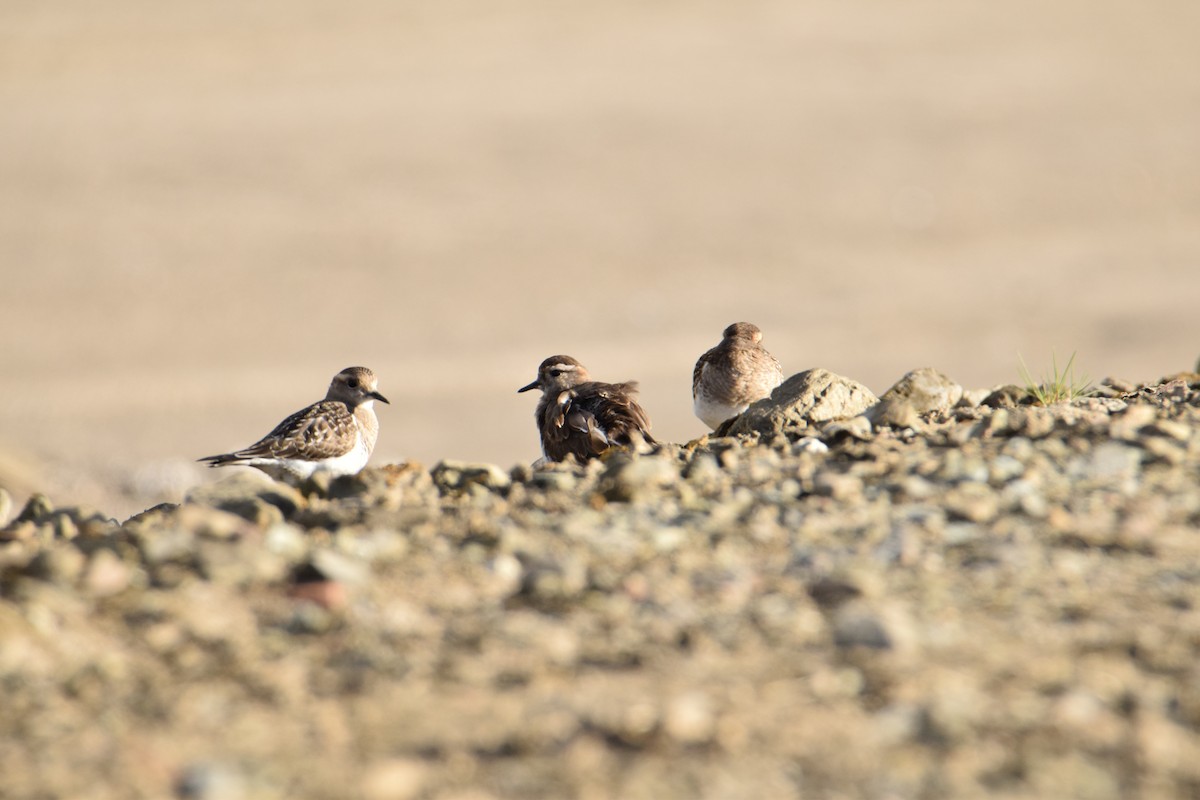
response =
{"points": [[584, 418]]}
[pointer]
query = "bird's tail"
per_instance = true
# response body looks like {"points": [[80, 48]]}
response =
{"points": [[223, 460]]}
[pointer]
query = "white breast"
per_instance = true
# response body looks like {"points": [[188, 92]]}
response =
{"points": [[712, 413], [349, 464]]}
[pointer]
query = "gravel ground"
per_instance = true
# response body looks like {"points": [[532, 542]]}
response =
{"points": [[951, 596]]}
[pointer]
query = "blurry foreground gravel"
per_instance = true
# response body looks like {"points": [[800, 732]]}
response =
{"points": [[949, 596]]}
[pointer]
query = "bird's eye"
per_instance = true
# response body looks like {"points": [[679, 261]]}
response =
{"points": [[554, 373], [352, 383]]}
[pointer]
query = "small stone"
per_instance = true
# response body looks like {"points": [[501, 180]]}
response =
{"points": [[917, 488], [1128, 424], [328, 595], [703, 470], [811, 444], [690, 719], [553, 480], [1176, 390], [1112, 463], [168, 544], [459, 475], [106, 574], [37, 507], [920, 392], [1004, 468], [974, 502], [286, 540], [63, 525], [394, 779], [1119, 385], [894, 412], [211, 523], [638, 721], [335, 566], [1035, 423], [1168, 427], [973, 398], [60, 565], [1027, 497], [1008, 396], [1164, 450], [854, 428], [838, 486], [832, 591], [957, 534], [854, 625], [628, 478], [210, 781]]}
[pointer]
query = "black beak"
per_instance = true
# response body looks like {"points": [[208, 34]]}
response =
{"points": [[533, 385], [379, 397]]}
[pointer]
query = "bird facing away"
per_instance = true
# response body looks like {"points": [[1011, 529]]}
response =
{"points": [[581, 417], [732, 375], [335, 435]]}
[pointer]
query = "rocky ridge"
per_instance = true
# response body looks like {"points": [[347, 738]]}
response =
{"points": [[937, 594]]}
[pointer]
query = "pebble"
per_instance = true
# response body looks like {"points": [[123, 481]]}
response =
{"points": [[554, 481], [974, 502], [1112, 463], [106, 574], [394, 779], [855, 626], [460, 475], [690, 719], [920, 392], [61, 565], [843, 488], [336, 566], [210, 781], [1167, 427], [813, 445], [629, 479], [37, 507]]}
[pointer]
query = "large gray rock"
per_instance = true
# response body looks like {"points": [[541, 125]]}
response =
{"points": [[807, 398], [919, 392]]}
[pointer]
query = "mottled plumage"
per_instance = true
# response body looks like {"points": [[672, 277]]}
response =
{"points": [[335, 435], [732, 375], [581, 417]]}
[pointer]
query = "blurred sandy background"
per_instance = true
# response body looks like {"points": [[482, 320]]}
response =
{"points": [[207, 209]]}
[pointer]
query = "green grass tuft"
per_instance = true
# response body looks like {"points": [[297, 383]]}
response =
{"points": [[1059, 387]]}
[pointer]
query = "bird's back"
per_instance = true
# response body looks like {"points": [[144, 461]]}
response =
{"points": [[587, 419]]}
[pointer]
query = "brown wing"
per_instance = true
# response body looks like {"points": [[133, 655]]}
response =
{"points": [[698, 372], [590, 418], [760, 373], [323, 430], [567, 429], [615, 410]]}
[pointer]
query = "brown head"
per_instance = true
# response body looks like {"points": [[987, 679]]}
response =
{"points": [[355, 386], [557, 374], [743, 331]]}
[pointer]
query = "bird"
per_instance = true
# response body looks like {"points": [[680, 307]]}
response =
{"points": [[579, 417], [335, 435], [732, 375]]}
